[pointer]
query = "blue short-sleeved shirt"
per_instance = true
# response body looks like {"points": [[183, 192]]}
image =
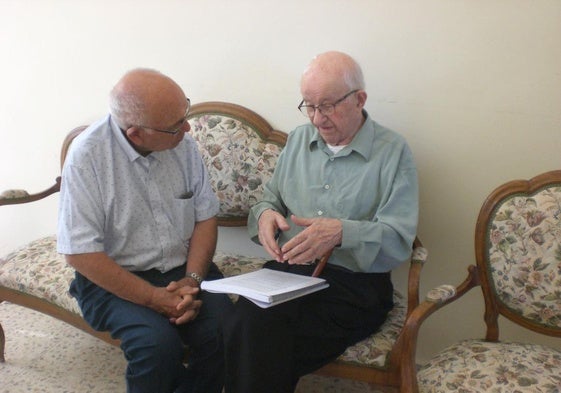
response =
{"points": [[141, 211]]}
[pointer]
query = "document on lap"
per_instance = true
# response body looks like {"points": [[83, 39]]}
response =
{"points": [[266, 287]]}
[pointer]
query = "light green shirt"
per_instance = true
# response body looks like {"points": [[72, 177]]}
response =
{"points": [[370, 185]]}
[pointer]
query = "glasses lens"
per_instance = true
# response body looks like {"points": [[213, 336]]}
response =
{"points": [[327, 109], [309, 110]]}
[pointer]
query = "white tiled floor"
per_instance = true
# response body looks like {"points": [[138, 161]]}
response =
{"points": [[46, 355]]}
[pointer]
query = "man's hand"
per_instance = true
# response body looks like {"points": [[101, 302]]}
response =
{"points": [[270, 222], [188, 289], [177, 302], [319, 236]]}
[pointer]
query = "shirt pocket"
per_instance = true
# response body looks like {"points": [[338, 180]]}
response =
{"points": [[183, 217]]}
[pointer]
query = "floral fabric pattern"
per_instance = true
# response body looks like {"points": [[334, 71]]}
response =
{"points": [[239, 161], [38, 270], [524, 255], [474, 366], [374, 350], [523, 261]]}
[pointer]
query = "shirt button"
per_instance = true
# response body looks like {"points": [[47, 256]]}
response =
{"points": [[326, 186], [320, 213]]}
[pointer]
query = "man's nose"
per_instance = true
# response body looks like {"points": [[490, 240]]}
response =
{"points": [[317, 116]]}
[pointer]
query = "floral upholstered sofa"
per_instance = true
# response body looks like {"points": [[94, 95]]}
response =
{"points": [[240, 150]]}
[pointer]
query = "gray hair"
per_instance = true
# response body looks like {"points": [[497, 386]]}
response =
{"points": [[125, 109], [353, 77], [126, 106]]}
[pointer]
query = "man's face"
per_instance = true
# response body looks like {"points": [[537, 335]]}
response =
{"points": [[165, 127], [339, 127], [162, 136]]}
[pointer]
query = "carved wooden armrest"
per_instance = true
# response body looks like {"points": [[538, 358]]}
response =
{"points": [[15, 196], [418, 259], [441, 293], [444, 294]]}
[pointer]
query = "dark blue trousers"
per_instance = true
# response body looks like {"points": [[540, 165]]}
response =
{"points": [[153, 346]]}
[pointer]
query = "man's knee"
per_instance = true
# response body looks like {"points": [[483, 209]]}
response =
{"points": [[155, 346]]}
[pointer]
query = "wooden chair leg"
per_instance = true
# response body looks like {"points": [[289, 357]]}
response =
{"points": [[2, 344]]}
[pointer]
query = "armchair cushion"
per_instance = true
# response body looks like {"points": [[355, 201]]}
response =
{"points": [[481, 366]]}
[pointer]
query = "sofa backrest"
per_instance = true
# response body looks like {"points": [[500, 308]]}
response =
{"points": [[240, 150]]}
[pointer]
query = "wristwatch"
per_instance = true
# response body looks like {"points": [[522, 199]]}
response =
{"points": [[195, 277]]}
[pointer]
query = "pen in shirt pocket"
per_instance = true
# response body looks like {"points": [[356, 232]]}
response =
{"points": [[186, 195]]}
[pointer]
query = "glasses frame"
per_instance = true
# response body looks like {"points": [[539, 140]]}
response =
{"points": [[183, 121], [324, 109]]}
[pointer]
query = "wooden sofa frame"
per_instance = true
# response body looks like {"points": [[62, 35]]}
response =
{"points": [[399, 370]]}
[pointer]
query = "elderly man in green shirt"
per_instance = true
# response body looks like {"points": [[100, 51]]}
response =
{"points": [[342, 183]]}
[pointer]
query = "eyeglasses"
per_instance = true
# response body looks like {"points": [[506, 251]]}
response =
{"points": [[324, 109], [179, 126]]}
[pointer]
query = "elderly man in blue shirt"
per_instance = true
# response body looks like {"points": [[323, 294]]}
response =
{"points": [[343, 183], [137, 222]]}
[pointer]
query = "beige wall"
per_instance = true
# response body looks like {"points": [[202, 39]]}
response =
{"points": [[475, 86]]}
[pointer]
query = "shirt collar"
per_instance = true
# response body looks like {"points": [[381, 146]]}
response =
{"points": [[362, 142]]}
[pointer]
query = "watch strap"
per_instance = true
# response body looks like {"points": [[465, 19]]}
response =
{"points": [[195, 277]]}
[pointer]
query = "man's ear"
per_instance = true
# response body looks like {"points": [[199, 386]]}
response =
{"points": [[135, 135], [361, 98]]}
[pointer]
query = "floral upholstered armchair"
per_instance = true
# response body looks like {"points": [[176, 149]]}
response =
{"points": [[518, 253]]}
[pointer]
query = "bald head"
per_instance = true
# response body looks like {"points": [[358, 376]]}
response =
{"points": [[334, 79], [145, 96], [335, 68]]}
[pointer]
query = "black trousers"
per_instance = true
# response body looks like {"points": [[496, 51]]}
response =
{"points": [[268, 350]]}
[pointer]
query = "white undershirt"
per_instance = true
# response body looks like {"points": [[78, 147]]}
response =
{"points": [[335, 149]]}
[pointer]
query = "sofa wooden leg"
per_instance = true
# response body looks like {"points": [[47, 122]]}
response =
{"points": [[2, 344]]}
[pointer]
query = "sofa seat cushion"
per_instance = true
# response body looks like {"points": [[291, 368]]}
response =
{"points": [[480, 366], [37, 269], [373, 351], [231, 264]]}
